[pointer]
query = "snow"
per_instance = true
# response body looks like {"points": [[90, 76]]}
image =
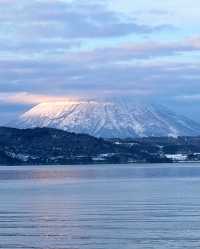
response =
{"points": [[103, 157], [177, 157], [108, 119], [20, 156]]}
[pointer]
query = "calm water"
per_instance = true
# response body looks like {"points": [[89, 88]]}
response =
{"points": [[100, 207]]}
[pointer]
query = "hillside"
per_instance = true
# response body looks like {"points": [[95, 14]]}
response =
{"points": [[51, 146], [177, 149]]}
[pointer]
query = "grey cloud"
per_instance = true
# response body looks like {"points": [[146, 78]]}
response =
{"points": [[127, 52], [46, 29], [82, 79], [62, 77], [43, 51], [103, 69], [38, 45], [70, 20]]}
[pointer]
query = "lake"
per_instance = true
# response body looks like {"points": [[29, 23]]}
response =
{"points": [[100, 207]]}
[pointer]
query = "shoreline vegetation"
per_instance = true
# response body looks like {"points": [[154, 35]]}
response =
{"points": [[47, 146]]}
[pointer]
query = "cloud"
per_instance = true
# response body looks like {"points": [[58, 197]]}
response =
{"points": [[66, 78], [24, 98], [43, 29], [53, 49], [188, 98], [133, 67], [139, 50], [28, 47], [69, 20]]}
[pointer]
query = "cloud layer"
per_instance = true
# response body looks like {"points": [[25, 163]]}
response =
{"points": [[50, 50]]}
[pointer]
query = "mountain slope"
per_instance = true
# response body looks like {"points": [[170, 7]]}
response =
{"points": [[109, 119], [51, 146]]}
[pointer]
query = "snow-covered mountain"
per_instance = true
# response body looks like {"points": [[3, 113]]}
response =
{"points": [[109, 119]]}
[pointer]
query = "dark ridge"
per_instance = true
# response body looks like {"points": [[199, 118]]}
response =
{"points": [[52, 146]]}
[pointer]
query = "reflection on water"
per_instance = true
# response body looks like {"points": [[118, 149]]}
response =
{"points": [[100, 207], [100, 171]]}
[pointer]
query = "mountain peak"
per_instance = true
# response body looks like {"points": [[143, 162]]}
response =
{"points": [[109, 118]]}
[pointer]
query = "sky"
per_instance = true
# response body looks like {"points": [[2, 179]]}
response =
{"points": [[52, 50]]}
